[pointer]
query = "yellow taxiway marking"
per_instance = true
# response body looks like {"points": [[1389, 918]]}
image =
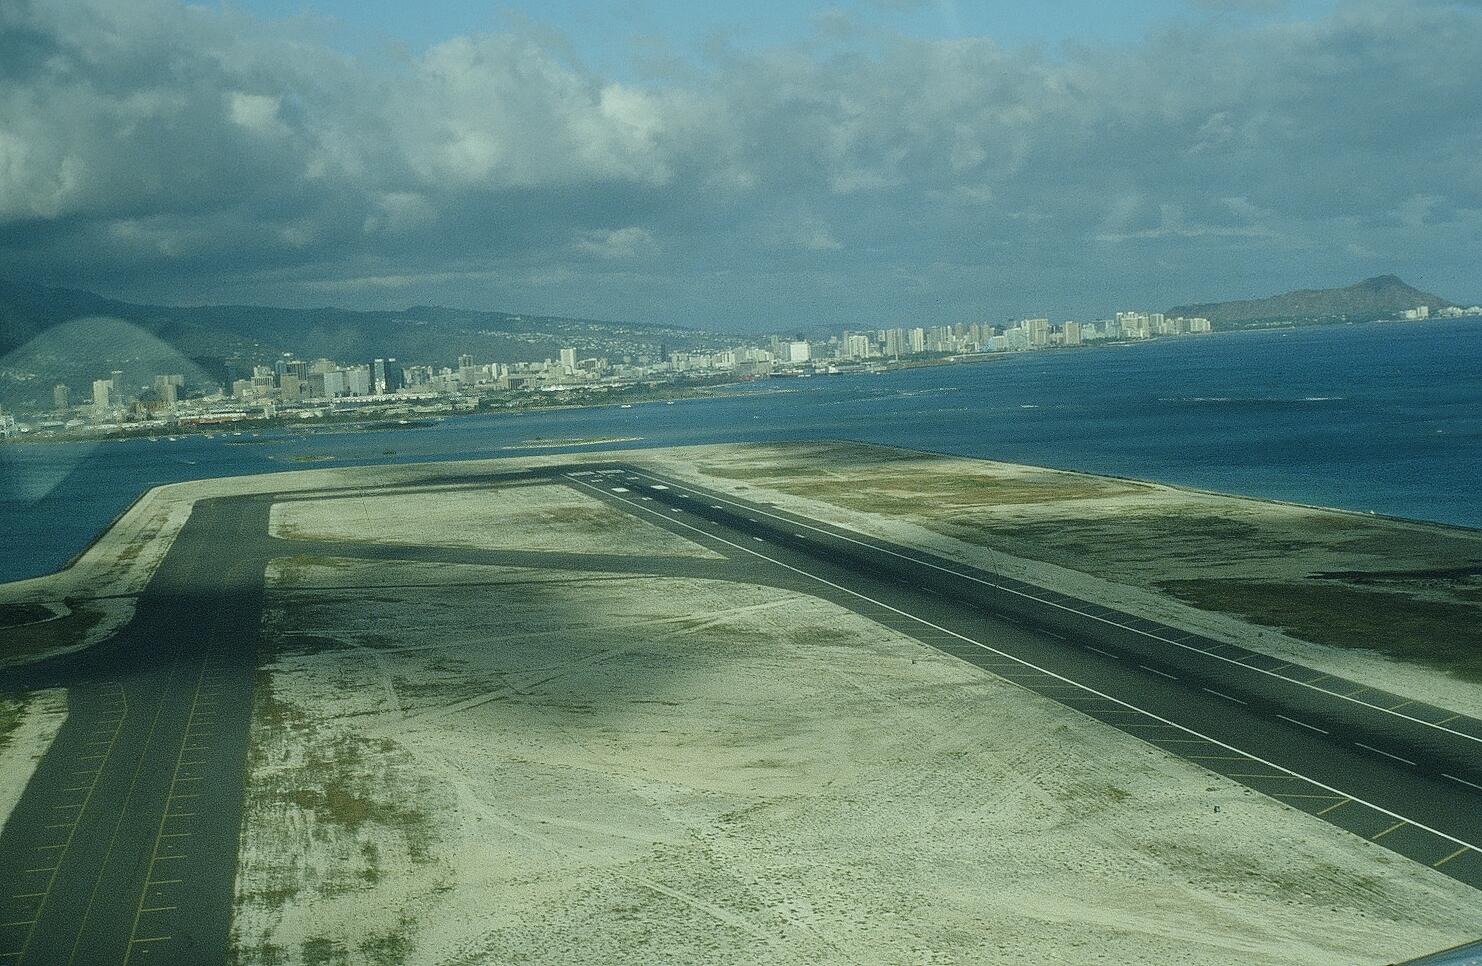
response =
{"points": [[1448, 858], [1340, 805], [1388, 830]]}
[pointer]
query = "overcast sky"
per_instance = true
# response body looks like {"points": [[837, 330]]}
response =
{"points": [[768, 165]]}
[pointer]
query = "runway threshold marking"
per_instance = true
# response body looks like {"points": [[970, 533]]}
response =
{"points": [[1083, 612], [1331, 793]]}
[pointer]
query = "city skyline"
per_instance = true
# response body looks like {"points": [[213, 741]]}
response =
{"points": [[598, 373]]}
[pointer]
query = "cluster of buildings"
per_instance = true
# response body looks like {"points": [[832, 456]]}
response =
{"points": [[956, 340], [291, 388]]}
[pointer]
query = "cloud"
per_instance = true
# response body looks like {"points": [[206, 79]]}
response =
{"points": [[177, 153]]}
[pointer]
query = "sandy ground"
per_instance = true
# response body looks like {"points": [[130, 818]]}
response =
{"points": [[1106, 540], [28, 723], [568, 767], [587, 768], [549, 518]]}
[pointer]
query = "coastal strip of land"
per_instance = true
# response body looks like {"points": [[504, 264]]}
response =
{"points": [[498, 715]]}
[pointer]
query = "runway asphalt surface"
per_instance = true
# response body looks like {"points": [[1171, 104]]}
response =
{"points": [[123, 847], [1397, 772]]}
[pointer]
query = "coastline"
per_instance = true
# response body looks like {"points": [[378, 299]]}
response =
{"points": [[121, 560], [580, 759]]}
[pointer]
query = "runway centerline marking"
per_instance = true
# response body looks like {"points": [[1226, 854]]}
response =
{"points": [[1384, 753], [159, 709], [1302, 724], [1331, 790], [1439, 726]]}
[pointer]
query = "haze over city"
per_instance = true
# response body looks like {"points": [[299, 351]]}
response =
{"points": [[743, 168]]}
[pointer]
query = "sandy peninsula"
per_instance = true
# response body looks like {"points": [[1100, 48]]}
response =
{"points": [[460, 763]]}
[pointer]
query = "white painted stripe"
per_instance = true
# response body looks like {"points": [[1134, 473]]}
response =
{"points": [[1302, 724], [1227, 697], [1384, 753], [1087, 688], [1112, 623], [1161, 674], [1462, 781]]}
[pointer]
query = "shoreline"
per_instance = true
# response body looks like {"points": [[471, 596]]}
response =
{"points": [[120, 561], [553, 763]]}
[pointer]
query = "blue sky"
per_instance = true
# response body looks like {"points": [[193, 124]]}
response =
{"points": [[766, 166]]}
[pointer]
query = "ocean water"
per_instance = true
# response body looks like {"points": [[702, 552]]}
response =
{"points": [[1383, 418]]}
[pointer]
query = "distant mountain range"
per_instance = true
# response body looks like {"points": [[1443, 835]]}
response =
{"points": [[423, 334], [1376, 298], [42, 342], [56, 349]]}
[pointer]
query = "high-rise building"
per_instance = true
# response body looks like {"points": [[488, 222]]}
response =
{"points": [[167, 389], [102, 395], [61, 396], [395, 379], [358, 381], [568, 359]]}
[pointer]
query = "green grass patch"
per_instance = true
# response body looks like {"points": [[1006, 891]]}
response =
{"points": [[1441, 634]]}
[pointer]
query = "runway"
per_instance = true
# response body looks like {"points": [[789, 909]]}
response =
{"points": [[123, 847], [1400, 773]]}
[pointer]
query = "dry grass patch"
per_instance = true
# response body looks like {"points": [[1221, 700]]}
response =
{"points": [[1403, 589], [535, 517], [881, 480], [1442, 634]]}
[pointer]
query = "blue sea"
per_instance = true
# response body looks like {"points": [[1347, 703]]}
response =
{"points": [[1379, 417]]}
